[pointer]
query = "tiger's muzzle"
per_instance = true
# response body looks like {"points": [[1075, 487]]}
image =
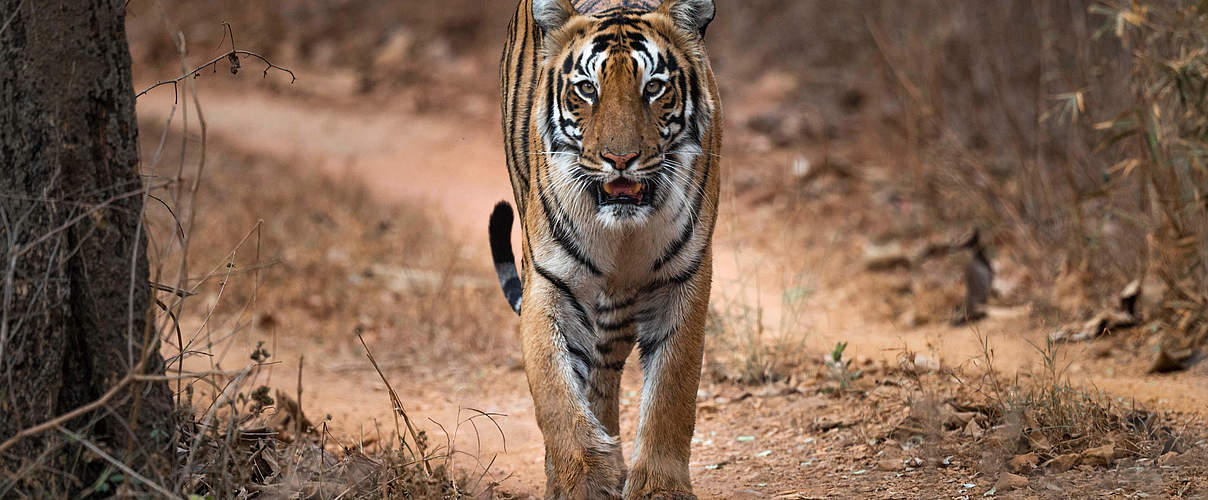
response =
{"points": [[623, 191]]}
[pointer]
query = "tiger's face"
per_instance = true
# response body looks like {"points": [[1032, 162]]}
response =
{"points": [[625, 106]]}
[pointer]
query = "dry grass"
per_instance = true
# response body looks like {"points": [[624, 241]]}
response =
{"points": [[250, 444], [1046, 414], [744, 344], [1040, 425], [1071, 133], [322, 259], [289, 251]]}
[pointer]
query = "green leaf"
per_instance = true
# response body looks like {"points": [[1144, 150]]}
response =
{"points": [[837, 354]]}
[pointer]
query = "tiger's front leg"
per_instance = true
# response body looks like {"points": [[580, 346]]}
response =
{"points": [[671, 349], [613, 347], [580, 455]]}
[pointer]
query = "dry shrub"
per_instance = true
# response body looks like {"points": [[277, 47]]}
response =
{"points": [[1076, 130], [1072, 133], [314, 257], [292, 250], [1032, 421], [246, 444], [1044, 413]]}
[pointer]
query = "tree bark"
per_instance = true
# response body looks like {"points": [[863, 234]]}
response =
{"points": [[74, 294]]}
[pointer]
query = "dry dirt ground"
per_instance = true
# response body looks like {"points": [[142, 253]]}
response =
{"points": [[789, 284]]}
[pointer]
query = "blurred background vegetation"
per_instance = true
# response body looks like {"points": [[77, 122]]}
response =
{"points": [[1072, 132]]}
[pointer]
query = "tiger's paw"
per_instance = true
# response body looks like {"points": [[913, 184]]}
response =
{"points": [[594, 487], [595, 476], [667, 495], [597, 485], [642, 485]]}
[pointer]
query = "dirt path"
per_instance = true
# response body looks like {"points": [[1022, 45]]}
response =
{"points": [[456, 163]]}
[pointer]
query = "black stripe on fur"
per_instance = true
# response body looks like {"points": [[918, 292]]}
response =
{"points": [[500, 230]]}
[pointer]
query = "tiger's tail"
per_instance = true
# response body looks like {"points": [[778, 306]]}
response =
{"points": [[500, 229]]}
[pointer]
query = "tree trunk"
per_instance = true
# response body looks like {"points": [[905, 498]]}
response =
{"points": [[73, 257]]}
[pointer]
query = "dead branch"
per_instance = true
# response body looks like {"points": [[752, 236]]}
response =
{"points": [[232, 58]]}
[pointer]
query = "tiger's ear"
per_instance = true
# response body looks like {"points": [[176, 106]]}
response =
{"points": [[690, 15], [552, 14]]}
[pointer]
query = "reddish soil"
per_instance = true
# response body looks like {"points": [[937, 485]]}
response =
{"points": [[783, 440]]}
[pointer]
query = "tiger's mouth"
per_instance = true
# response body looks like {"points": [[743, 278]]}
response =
{"points": [[623, 191]]}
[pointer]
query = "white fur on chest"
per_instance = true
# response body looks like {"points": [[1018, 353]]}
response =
{"points": [[626, 250]]}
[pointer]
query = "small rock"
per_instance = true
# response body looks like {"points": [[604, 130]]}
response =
{"points": [[394, 52], [1171, 360], [1102, 455], [973, 430], [910, 318], [1008, 481], [889, 465], [963, 417], [885, 257], [925, 364], [1062, 463], [1128, 297], [1101, 324], [1038, 441], [801, 167], [1023, 463], [1174, 459]]}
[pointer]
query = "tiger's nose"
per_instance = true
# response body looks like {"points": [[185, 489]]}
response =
{"points": [[621, 161]]}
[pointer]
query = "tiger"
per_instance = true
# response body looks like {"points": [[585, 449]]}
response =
{"points": [[612, 132]]}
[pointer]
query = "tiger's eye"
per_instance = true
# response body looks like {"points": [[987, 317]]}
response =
{"points": [[586, 88], [654, 87]]}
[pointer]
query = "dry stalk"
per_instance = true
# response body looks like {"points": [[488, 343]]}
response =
{"points": [[398, 409]]}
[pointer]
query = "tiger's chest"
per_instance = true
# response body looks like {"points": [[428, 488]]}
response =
{"points": [[596, 260]]}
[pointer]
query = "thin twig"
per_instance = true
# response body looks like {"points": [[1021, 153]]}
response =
{"points": [[231, 56], [450, 439], [172, 290], [298, 418]]}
